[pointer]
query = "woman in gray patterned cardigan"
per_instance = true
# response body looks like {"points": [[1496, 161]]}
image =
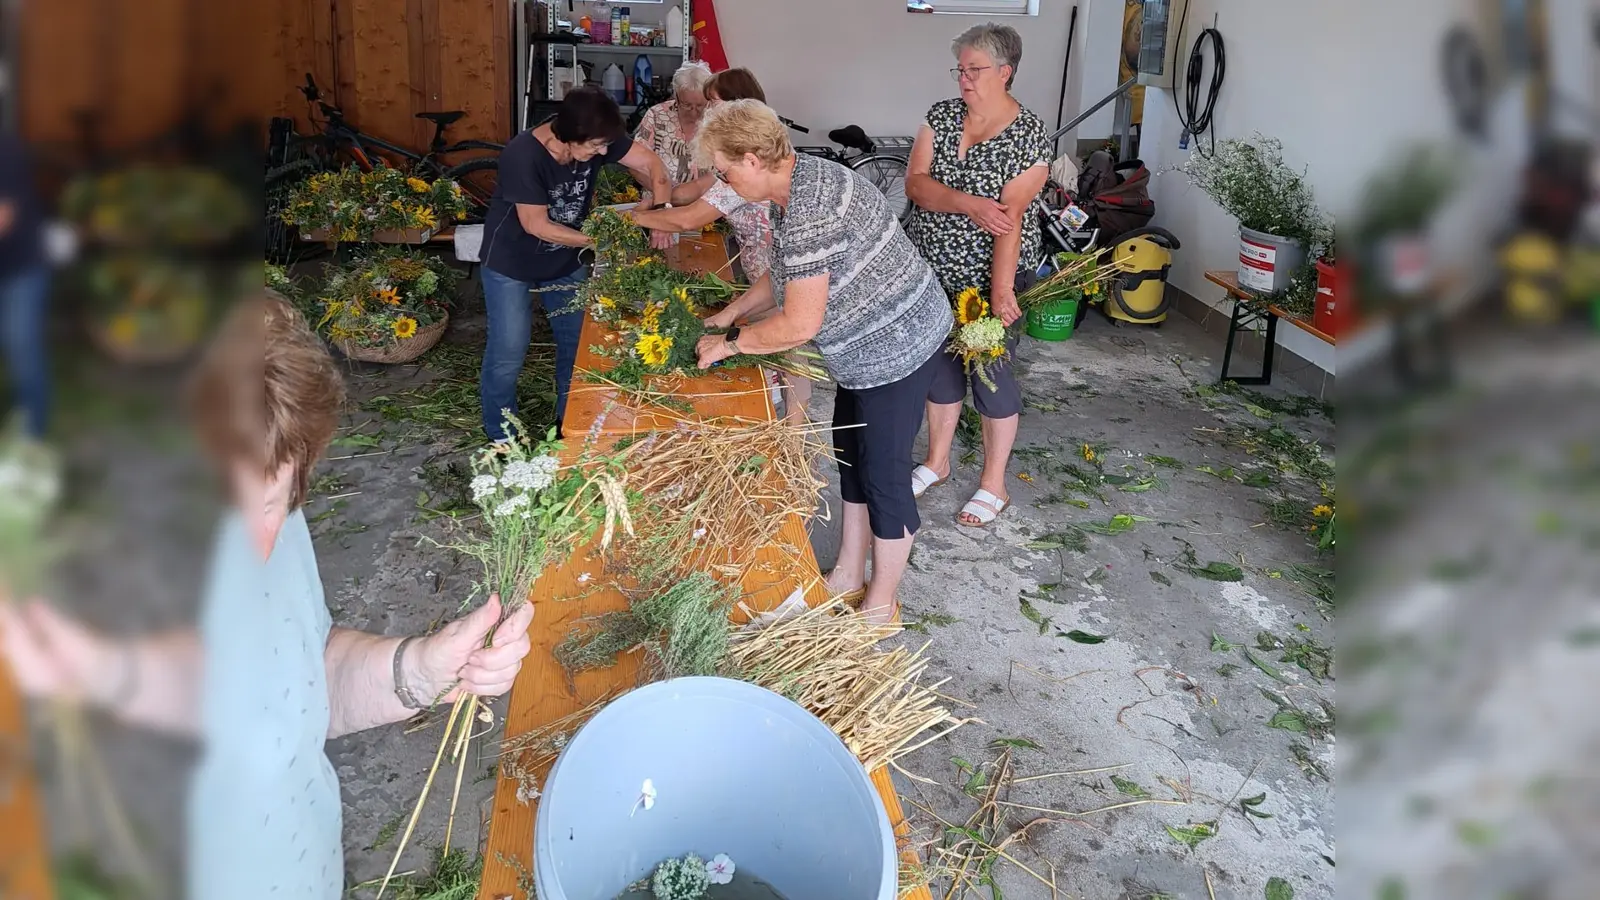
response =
{"points": [[845, 277]]}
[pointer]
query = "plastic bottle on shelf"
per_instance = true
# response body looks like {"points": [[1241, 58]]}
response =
{"points": [[642, 77], [616, 24], [625, 35], [615, 83], [600, 23], [675, 26]]}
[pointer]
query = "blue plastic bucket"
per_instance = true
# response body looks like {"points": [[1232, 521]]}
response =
{"points": [[736, 770]]}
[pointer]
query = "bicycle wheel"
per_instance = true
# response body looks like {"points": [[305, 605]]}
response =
{"points": [[477, 194], [887, 174]]}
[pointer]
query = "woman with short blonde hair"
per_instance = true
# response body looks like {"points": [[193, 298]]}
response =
{"points": [[845, 277]]}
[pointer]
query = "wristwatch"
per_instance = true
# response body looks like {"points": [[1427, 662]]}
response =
{"points": [[733, 338]]}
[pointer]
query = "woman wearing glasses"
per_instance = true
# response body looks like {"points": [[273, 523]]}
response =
{"points": [[668, 128], [845, 277], [976, 170]]}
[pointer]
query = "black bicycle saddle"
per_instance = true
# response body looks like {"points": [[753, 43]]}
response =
{"points": [[442, 118], [852, 137]]}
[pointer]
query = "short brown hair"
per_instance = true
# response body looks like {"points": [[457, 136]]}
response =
{"points": [[740, 127], [266, 392], [736, 84]]}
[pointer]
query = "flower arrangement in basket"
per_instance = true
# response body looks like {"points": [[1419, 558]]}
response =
{"points": [[978, 339], [148, 205], [144, 309], [388, 305], [384, 204]]}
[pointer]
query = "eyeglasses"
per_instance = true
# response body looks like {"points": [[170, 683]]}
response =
{"points": [[722, 174], [970, 74]]}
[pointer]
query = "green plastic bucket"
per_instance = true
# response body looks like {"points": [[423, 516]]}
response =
{"points": [[1054, 321]]}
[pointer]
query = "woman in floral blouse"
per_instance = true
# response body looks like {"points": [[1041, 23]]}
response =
{"points": [[976, 170], [669, 128]]}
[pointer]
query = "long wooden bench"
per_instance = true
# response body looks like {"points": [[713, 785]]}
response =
{"points": [[1248, 311], [543, 694]]}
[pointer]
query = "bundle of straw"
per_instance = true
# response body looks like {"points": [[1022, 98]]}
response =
{"points": [[828, 660], [715, 493], [1078, 275]]}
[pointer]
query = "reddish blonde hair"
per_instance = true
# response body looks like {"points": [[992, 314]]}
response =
{"points": [[266, 392]]}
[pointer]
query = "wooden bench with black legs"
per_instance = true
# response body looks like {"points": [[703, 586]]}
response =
{"points": [[1249, 311]]}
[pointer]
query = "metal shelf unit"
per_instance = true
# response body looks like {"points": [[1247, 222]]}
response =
{"points": [[530, 44]]}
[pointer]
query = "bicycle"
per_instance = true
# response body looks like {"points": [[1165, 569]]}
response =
{"points": [[886, 171], [292, 156]]}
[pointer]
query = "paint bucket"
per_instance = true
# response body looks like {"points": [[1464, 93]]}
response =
{"points": [[1053, 321], [1267, 262], [736, 770]]}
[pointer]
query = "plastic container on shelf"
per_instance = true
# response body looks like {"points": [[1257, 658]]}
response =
{"points": [[615, 83], [675, 26], [642, 77], [624, 35], [617, 35], [600, 24]]}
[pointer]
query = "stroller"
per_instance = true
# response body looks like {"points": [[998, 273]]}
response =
{"points": [[1106, 200]]}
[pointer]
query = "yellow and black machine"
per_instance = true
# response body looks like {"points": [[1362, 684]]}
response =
{"points": [[1138, 294]]}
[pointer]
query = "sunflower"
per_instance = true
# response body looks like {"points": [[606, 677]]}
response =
{"points": [[405, 328], [653, 348], [682, 295], [1091, 288], [970, 306], [390, 296], [424, 217], [1321, 511], [418, 185]]}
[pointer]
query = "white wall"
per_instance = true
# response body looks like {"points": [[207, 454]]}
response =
{"points": [[827, 63], [1100, 26]]}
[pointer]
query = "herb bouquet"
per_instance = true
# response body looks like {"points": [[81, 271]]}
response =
{"points": [[1077, 275], [536, 511], [979, 338], [388, 305], [30, 486]]}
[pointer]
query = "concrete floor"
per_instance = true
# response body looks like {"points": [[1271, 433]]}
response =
{"points": [[1199, 737]]}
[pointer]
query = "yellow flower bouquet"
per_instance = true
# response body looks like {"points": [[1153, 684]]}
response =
{"points": [[978, 339], [389, 303], [352, 205]]}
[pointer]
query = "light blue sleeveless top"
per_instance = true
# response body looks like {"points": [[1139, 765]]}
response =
{"points": [[264, 817]]}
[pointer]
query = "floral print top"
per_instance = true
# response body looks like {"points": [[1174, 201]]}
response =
{"points": [[960, 252], [662, 132], [752, 228]]}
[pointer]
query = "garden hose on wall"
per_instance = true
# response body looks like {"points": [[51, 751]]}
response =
{"points": [[1194, 117]]}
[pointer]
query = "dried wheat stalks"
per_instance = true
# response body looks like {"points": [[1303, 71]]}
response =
{"points": [[828, 660], [717, 492], [524, 757]]}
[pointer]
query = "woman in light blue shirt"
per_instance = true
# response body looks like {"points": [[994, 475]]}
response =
{"points": [[267, 679]]}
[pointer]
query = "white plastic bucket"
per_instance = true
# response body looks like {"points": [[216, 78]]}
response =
{"points": [[1267, 262], [734, 769]]}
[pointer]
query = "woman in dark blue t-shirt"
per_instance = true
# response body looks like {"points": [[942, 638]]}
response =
{"points": [[531, 238]]}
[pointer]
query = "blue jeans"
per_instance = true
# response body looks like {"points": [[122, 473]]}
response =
{"points": [[510, 307], [23, 300]]}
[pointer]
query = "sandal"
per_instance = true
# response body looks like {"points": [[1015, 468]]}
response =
{"points": [[985, 507], [924, 479]]}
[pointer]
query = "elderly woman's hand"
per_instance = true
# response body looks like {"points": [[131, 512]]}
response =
{"points": [[712, 349], [1004, 303], [990, 215], [457, 652], [660, 238], [54, 656]]}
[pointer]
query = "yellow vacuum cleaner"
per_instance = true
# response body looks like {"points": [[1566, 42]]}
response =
{"points": [[1139, 293]]}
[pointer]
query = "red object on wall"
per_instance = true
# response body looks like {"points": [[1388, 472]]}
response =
{"points": [[1335, 305], [707, 38]]}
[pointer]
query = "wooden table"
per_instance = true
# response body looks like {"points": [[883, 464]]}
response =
{"points": [[1248, 310], [720, 393], [542, 694], [24, 856]]}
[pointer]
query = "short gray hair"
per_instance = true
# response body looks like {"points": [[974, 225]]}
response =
{"points": [[691, 76], [1000, 43]]}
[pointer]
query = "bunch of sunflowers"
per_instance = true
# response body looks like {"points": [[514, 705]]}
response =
{"points": [[979, 338], [382, 297], [352, 205]]}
